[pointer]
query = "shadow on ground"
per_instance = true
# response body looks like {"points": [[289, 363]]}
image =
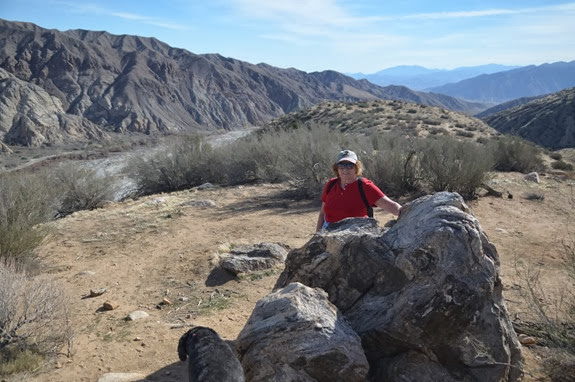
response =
{"points": [[175, 372], [282, 202], [219, 276]]}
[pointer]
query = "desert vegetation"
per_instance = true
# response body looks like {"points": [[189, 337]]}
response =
{"points": [[34, 316], [302, 156]]}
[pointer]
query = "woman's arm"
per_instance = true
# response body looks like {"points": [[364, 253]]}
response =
{"points": [[388, 205], [320, 218]]}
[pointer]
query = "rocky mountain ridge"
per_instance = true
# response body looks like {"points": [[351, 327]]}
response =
{"points": [[547, 121], [96, 83]]}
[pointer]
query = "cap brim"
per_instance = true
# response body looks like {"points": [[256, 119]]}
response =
{"points": [[351, 160]]}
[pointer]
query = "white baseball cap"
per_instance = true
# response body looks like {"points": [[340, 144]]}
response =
{"points": [[346, 156]]}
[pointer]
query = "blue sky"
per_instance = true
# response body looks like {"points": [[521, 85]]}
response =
{"points": [[343, 35]]}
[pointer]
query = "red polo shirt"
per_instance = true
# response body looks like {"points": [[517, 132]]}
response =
{"points": [[346, 203]]}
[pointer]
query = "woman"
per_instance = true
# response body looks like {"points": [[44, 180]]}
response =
{"points": [[342, 196]]}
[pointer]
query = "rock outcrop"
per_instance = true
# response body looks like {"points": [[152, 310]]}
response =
{"points": [[424, 296], [296, 334], [34, 117]]}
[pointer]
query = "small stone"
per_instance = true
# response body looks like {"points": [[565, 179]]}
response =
{"points": [[97, 292], [121, 377], [110, 305], [137, 315], [137, 339], [526, 340], [166, 301], [86, 273], [58, 365]]}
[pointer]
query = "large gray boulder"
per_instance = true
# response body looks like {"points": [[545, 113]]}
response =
{"points": [[425, 296], [254, 258], [296, 334]]}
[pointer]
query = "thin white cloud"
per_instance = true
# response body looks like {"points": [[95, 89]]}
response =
{"points": [[149, 20], [489, 12], [94, 9], [460, 15], [304, 12]]}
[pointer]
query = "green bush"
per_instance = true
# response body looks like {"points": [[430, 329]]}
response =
{"points": [[26, 202], [515, 154]]}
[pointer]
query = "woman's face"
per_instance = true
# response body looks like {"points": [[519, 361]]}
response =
{"points": [[346, 171]]}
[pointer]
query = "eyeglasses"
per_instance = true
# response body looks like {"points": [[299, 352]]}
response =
{"points": [[346, 165]]}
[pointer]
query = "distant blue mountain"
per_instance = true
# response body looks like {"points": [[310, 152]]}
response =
{"points": [[420, 78], [527, 81]]}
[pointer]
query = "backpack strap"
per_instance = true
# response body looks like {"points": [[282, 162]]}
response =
{"points": [[330, 185], [363, 197]]}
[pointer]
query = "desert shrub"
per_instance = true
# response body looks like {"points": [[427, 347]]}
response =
{"points": [[534, 196], [393, 165], [560, 366], [556, 156], [563, 166], [27, 201], [432, 122], [438, 130], [515, 154], [556, 319], [186, 163], [82, 188], [310, 155], [255, 158], [466, 134], [34, 315], [14, 361], [450, 165]]}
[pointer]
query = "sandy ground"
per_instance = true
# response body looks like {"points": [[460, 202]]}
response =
{"points": [[164, 246]]}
